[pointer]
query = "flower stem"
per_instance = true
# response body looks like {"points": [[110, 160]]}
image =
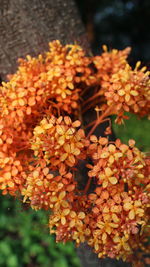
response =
{"points": [[91, 98], [107, 113], [87, 185], [93, 122]]}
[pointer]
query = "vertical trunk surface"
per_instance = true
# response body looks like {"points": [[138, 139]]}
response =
{"points": [[27, 26], [90, 259]]}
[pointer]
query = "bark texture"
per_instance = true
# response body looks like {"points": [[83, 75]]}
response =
{"points": [[27, 26], [90, 259]]}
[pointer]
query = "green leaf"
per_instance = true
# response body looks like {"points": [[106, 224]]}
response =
{"points": [[134, 128], [12, 261]]}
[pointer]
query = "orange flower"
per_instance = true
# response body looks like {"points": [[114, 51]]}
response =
{"points": [[59, 140], [134, 208]]}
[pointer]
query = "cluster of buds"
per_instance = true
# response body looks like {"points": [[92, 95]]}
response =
{"points": [[43, 147]]}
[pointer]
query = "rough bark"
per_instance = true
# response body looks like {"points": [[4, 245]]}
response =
{"points": [[90, 259], [26, 27]]}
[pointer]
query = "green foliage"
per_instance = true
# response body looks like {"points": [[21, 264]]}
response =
{"points": [[25, 239], [137, 129]]}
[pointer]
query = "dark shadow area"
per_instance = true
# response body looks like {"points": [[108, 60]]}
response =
{"points": [[118, 24]]}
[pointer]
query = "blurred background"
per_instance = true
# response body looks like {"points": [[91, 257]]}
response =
{"points": [[118, 24], [24, 234]]}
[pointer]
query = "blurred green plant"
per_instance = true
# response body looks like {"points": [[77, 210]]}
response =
{"points": [[137, 129], [25, 239]]}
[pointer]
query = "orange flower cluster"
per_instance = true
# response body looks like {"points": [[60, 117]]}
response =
{"points": [[43, 146], [111, 62], [11, 166], [121, 201], [121, 88], [48, 84], [51, 184], [58, 141], [46, 189], [57, 76], [129, 91]]}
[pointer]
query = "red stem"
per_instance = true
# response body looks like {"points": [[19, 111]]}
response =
{"points": [[91, 98], [97, 122], [87, 185], [91, 123], [91, 105], [100, 119]]}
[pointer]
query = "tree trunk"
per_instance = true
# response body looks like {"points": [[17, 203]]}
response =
{"points": [[90, 259], [26, 28]]}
